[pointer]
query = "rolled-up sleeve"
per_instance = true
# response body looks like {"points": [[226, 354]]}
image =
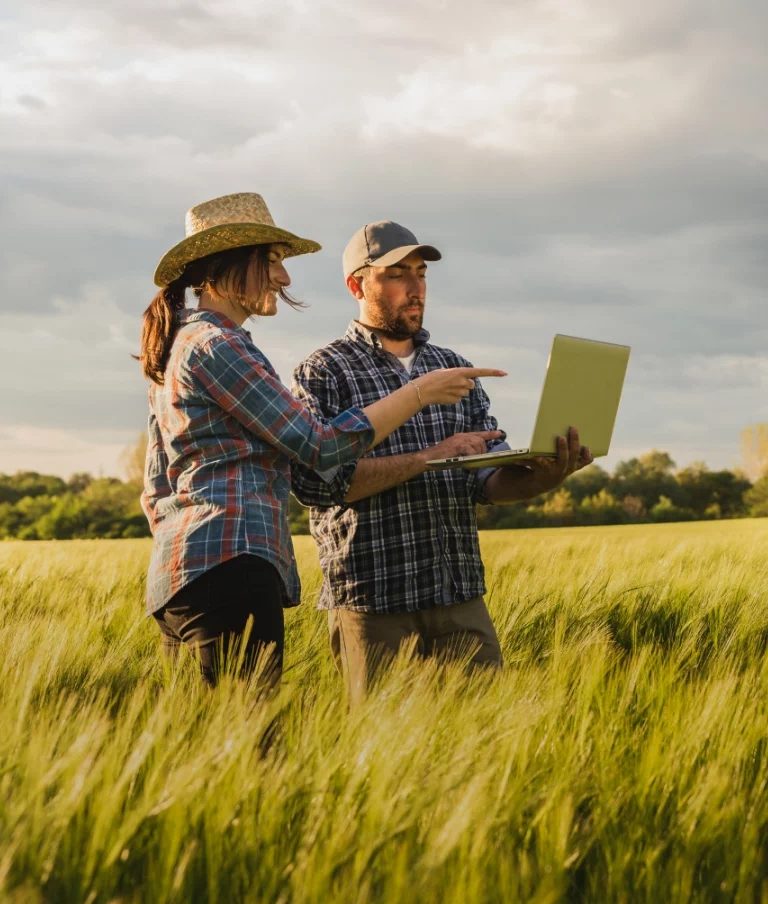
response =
{"points": [[156, 485], [228, 372], [316, 387]]}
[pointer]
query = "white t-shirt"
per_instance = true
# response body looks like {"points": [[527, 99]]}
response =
{"points": [[408, 362]]}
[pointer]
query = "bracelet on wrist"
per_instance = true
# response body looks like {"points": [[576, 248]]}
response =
{"points": [[418, 392]]}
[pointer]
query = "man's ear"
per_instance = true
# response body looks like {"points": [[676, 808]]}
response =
{"points": [[355, 286]]}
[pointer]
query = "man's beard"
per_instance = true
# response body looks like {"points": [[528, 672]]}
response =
{"points": [[398, 326]]}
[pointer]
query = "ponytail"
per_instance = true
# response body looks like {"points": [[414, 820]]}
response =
{"points": [[161, 321]]}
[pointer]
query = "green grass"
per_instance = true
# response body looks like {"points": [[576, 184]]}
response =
{"points": [[622, 755]]}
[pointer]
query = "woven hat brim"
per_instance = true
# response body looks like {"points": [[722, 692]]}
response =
{"points": [[222, 237]]}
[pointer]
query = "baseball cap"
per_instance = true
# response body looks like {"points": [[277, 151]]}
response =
{"points": [[382, 244]]}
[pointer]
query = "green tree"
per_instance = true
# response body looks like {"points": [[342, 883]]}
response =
{"points": [[712, 491], [14, 487], [114, 509], [560, 508], [508, 517], [589, 481], [26, 514], [66, 520], [78, 482], [601, 508], [666, 510], [757, 498], [7, 521], [647, 478]]}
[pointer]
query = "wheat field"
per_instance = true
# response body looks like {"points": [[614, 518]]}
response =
{"points": [[620, 756]]}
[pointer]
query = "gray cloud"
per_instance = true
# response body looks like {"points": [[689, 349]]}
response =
{"points": [[595, 170]]}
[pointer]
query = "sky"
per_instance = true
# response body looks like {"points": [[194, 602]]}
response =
{"points": [[598, 169]]}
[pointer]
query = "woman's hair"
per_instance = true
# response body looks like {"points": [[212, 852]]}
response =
{"points": [[226, 272]]}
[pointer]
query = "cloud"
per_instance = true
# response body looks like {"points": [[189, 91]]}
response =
{"points": [[598, 169], [72, 369]]}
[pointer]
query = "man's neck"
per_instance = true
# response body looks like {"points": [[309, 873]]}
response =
{"points": [[402, 348]]}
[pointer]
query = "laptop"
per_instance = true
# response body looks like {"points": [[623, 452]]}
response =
{"points": [[582, 388]]}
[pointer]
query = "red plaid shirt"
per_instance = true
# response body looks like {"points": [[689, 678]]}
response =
{"points": [[222, 433]]}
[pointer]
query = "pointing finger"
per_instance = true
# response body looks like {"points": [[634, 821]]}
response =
{"points": [[482, 372]]}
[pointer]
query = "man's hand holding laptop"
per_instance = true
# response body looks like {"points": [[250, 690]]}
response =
{"points": [[528, 477], [548, 473]]}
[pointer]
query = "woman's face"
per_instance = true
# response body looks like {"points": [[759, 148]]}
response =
{"points": [[266, 306]]}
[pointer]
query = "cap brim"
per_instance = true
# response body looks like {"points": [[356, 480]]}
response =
{"points": [[222, 237], [428, 252]]}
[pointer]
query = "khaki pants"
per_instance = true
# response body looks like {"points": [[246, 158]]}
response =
{"points": [[362, 643]]}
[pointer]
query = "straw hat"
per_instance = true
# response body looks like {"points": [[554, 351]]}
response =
{"points": [[227, 222]]}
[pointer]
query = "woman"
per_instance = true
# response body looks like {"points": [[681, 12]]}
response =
{"points": [[223, 429]]}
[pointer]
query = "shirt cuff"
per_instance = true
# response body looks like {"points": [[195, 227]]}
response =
{"points": [[482, 475], [339, 480], [353, 420]]}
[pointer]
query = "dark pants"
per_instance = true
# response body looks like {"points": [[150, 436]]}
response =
{"points": [[211, 613]]}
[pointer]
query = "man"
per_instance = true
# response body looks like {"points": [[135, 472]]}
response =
{"points": [[398, 542]]}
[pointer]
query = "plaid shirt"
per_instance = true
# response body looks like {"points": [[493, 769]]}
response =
{"points": [[414, 546], [222, 431]]}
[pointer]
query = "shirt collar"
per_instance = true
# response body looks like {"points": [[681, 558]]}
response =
{"points": [[192, 315], [356, 332]]}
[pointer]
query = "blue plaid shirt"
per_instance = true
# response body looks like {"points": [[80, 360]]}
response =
{"points": [[414, 546], [222, 433]]}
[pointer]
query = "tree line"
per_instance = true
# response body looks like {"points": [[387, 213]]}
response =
{"points": [[645, 489], [640, 490], [42, 507]]}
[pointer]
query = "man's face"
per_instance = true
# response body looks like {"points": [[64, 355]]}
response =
{"points": [[393, 297]]}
